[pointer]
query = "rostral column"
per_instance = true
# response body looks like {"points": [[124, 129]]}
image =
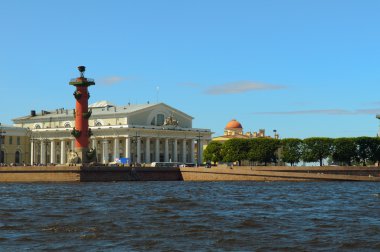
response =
{"points": [[81, 131]]}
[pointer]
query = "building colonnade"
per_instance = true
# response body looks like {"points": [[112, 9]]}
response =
{"points": [[138, 149]]}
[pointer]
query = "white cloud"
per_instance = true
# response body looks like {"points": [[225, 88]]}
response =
{"points": [[240, 87], [377, 103], [373, 111]]}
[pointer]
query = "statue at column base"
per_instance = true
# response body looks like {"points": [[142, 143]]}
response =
{"points": [[91, 155], [82, 156], [74, 158]]}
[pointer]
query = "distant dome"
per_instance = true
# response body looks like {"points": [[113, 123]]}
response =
{"points": [[233, 124]]}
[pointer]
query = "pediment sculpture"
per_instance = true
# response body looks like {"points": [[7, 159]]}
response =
{"points": [[171, 121]]}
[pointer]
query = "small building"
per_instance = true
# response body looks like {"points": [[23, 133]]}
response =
{"points": [[234, 129], [14, 145]]}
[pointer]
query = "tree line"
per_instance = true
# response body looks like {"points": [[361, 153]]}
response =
{"points": [[263, 151]]}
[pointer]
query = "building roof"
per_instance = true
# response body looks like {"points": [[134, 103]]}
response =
{"points": [[5, 125], [101, 104], [233, 124], [7, 130], [234, 136], [227, 137], [98, 109]]}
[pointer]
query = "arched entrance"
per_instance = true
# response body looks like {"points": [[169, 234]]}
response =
{"points": [[2, 157], [17, 157]]}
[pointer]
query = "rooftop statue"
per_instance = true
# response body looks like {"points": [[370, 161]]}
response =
{"points": [[171, 121]]}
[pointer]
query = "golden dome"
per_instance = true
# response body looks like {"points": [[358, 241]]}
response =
{"points": [[233, 124]]}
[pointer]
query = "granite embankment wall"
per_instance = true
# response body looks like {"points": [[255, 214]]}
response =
{"points": [[40, 174], [99, 174], [257, 173], [282, 173]]}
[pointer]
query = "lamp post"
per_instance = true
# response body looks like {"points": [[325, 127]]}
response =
{"points": [[2, 137], [134, 140], [275, 134]]}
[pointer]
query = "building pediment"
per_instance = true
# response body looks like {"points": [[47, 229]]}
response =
{"points": [[160, 115]]}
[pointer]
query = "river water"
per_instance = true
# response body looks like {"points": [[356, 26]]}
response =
{"points": [[190, 216]]}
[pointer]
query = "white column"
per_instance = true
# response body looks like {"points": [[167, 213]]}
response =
{"points": [[138, 159], [128, 148], [43, 152], [53, 155], [200, 152], [93, 143], [175, 151], [72, 145], [147, 150], [63, 152], [31, 152], [157, 152], [116, 149], [166, 150], [105, 151], [35, 152], [184, 151], [192, 151]]}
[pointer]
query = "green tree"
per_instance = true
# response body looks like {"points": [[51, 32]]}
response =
{"points": [[263, 150], [344, 150], [316, 149], [235, 150], [213, 152], [366, 149], [291, 150], [376, 151]]}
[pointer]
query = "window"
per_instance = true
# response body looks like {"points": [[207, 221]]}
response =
{"points": [[10, 140], [160, 119], [17, 157], [153, 122], [98, 123], [18, 139]]}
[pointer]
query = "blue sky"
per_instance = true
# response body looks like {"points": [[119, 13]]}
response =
{"points": [[304, 68]]}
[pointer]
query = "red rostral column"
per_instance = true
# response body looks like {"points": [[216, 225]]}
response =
{"points": [[81, 132]]}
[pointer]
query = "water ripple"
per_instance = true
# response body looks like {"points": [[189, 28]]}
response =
{"points": [[185, 216]]}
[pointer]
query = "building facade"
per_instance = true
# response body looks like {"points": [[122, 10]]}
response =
{"points": [[14, 145], [142, 133]]}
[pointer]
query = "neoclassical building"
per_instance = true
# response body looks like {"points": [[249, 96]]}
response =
{"points": [[14, 145], [143, 133]]}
